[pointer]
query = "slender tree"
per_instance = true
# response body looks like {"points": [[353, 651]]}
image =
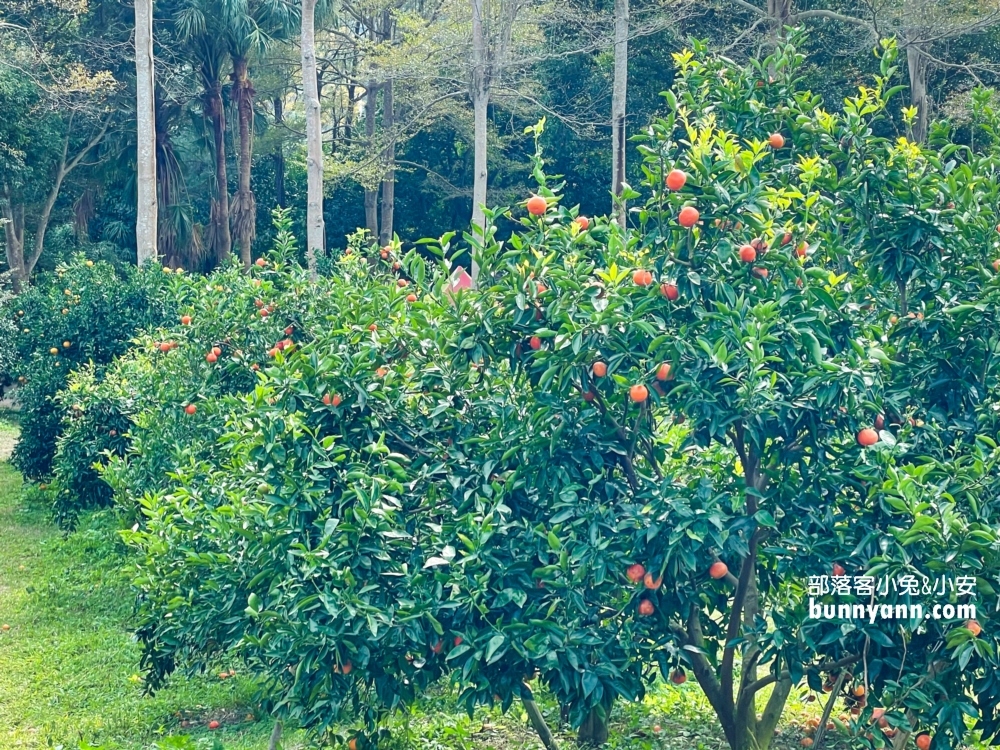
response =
{"points": [[146, 208], [479, 92], [618, 99], [315, 243]]}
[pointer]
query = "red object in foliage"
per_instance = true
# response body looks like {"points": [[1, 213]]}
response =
{"points": [[460, 280]]}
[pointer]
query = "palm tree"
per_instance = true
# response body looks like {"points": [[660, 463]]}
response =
{"points": [[252, 26], [200, 25]]}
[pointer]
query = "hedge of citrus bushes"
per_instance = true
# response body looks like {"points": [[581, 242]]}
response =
{"points": [[620, 458]]}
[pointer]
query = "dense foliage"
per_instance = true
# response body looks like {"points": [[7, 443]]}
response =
{"points": [[621, 457], [84, 312]]}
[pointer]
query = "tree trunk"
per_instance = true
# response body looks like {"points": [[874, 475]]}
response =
{"points": [[315, 242], [222, 239], [146, 208], [279, 157], [480, 93], [371, 195], [618, 99], [594, 730], [538, 721], [917, 64], [779, 14], [14, 233], [389, 179], [244, 203]]}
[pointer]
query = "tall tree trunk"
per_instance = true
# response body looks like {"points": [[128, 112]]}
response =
{"points": [[371, 195], [779, 15], [315, 241], [222, 239], [244, 203], [14, 234], [618, 99], [279, 157], [146, 208], [917, 64], [480, 93], [389, 180]]}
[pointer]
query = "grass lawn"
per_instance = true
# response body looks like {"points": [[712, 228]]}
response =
{"points": [[68, 666]]}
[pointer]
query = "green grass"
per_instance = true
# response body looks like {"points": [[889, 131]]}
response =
{"points": [[68, 666]]}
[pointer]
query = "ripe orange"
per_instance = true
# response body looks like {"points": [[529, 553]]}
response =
{"points": [[663, 372], [190, 409], [996, 265], [165, 346], [401, 283], [801, 249], [589, 396], [657, 728], [335, 400], [185, 320], [838, 569], [213, 724], [583, 222], [5, 627], [867, 437], [650, 583], [678, 676], [688, 217], [261, 262], [635, 572], [669, 291], [458, 640], [777, 140], [537, 205], [600, 369], [541, 289], [327, 399], [806, 742], [535, 343], [718, 570], [974, 627], [53, 350], [264, 312], [642, 278], [748, 254], [786, 238], [923, 741], [411, 297], [381, 372], [372, 327], [211, 357], [676, 179], [436, 648], [879, 422], [645, 608], [352, 745], [346, 668], [638, 393], [859, 690], [761, 272]]}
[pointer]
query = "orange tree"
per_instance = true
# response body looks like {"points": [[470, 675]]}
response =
{"points": [[806, 299], [353, 538]]}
